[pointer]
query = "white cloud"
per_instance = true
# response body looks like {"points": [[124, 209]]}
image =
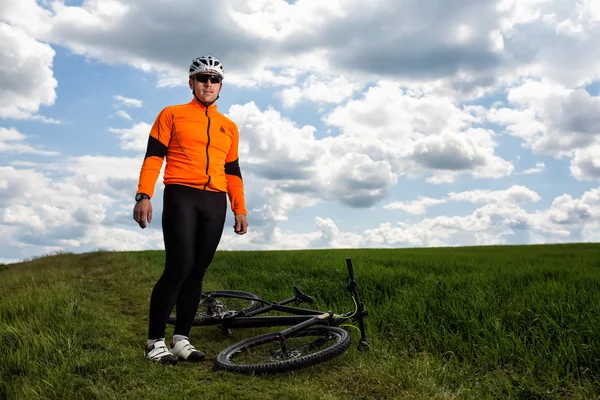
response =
{"points": [[510, 197], [514, 195], [274, 239], [117, 32], [12, 141], [76, 209], [134, 138], [418, 135], [123, 114], [552, 38], [330, 236], [591, 233], [465, 48], [567, 220], [389, 112], [459, 152], [46, 120], [539, 167], [104, 174], [27, 14], [581, 22], [554, 120], [415, 207], [357, 180], [128, 102], [467, 43], [568, 211], [320, 89], [586, 164], [273, 203], [422, 64], [274, 148], [520, 12], [26, 75], [479, 228], [121, 239], [279, 20]]}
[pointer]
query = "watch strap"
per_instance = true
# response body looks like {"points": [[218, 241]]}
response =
{"points": [[141, 196]]}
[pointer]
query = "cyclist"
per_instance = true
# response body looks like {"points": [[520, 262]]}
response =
{"points": [[202, 169]]}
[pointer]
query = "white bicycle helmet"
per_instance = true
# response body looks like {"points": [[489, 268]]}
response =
{"points": [[206, 64]]}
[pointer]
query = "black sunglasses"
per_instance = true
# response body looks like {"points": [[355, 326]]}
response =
{"points": [[203, 78]]}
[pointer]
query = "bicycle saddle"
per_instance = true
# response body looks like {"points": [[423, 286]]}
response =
{"points": [[301, 296]]}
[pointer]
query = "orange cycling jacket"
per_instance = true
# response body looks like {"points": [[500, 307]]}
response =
{"points": [[201, 147]]}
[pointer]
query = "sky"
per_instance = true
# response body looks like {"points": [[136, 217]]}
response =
{"points": [[379, 124]]}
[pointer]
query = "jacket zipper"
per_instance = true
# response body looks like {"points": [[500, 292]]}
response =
{"points": [[207, 144]]}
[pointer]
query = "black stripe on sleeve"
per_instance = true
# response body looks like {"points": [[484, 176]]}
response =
{"points": [[155, 148], [233, 168]]}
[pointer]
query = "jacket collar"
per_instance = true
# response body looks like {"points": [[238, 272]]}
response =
{"points": [[197, 103]]}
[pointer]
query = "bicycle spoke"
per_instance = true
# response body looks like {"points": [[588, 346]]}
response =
{"points": [[268, 354], [218, 305], [273, 350]]}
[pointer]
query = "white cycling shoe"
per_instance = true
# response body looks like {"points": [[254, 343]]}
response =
{"points": [[184, 350], [158, 352]]}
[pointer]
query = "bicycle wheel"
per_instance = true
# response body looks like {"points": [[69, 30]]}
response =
{"points": [[264, 353], [219, 304]]}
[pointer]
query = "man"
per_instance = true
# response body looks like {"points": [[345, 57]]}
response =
{"points": [[202, 170]]}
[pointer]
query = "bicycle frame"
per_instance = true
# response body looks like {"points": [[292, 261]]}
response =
{"points": [[302, 318]]}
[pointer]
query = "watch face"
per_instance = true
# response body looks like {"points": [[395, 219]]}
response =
{"points": [[139, 197]]}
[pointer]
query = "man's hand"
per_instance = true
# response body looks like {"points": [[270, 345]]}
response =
{"points": [[241, 224], [142, 212]]}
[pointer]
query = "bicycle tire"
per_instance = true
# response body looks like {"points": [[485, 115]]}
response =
{"points": [[201, 317], [339, 346]]}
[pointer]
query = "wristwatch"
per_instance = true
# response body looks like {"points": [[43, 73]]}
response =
{"points": [[141, 196]]}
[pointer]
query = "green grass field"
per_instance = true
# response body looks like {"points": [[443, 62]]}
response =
{"points": [[506, 322]]}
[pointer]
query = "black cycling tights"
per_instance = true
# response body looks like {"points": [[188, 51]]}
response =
{"points": [[192, 223]]}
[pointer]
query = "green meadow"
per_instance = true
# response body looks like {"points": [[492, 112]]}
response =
{"points": [[500, 322]]}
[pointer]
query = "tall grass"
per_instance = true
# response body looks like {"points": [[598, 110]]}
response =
{"points": [[466, 323]]}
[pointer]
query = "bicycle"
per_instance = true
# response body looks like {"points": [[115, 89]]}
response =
{"points": [[314, 330]]}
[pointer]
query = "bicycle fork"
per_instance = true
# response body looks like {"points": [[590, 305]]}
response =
{"points": [[361, 312]]}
